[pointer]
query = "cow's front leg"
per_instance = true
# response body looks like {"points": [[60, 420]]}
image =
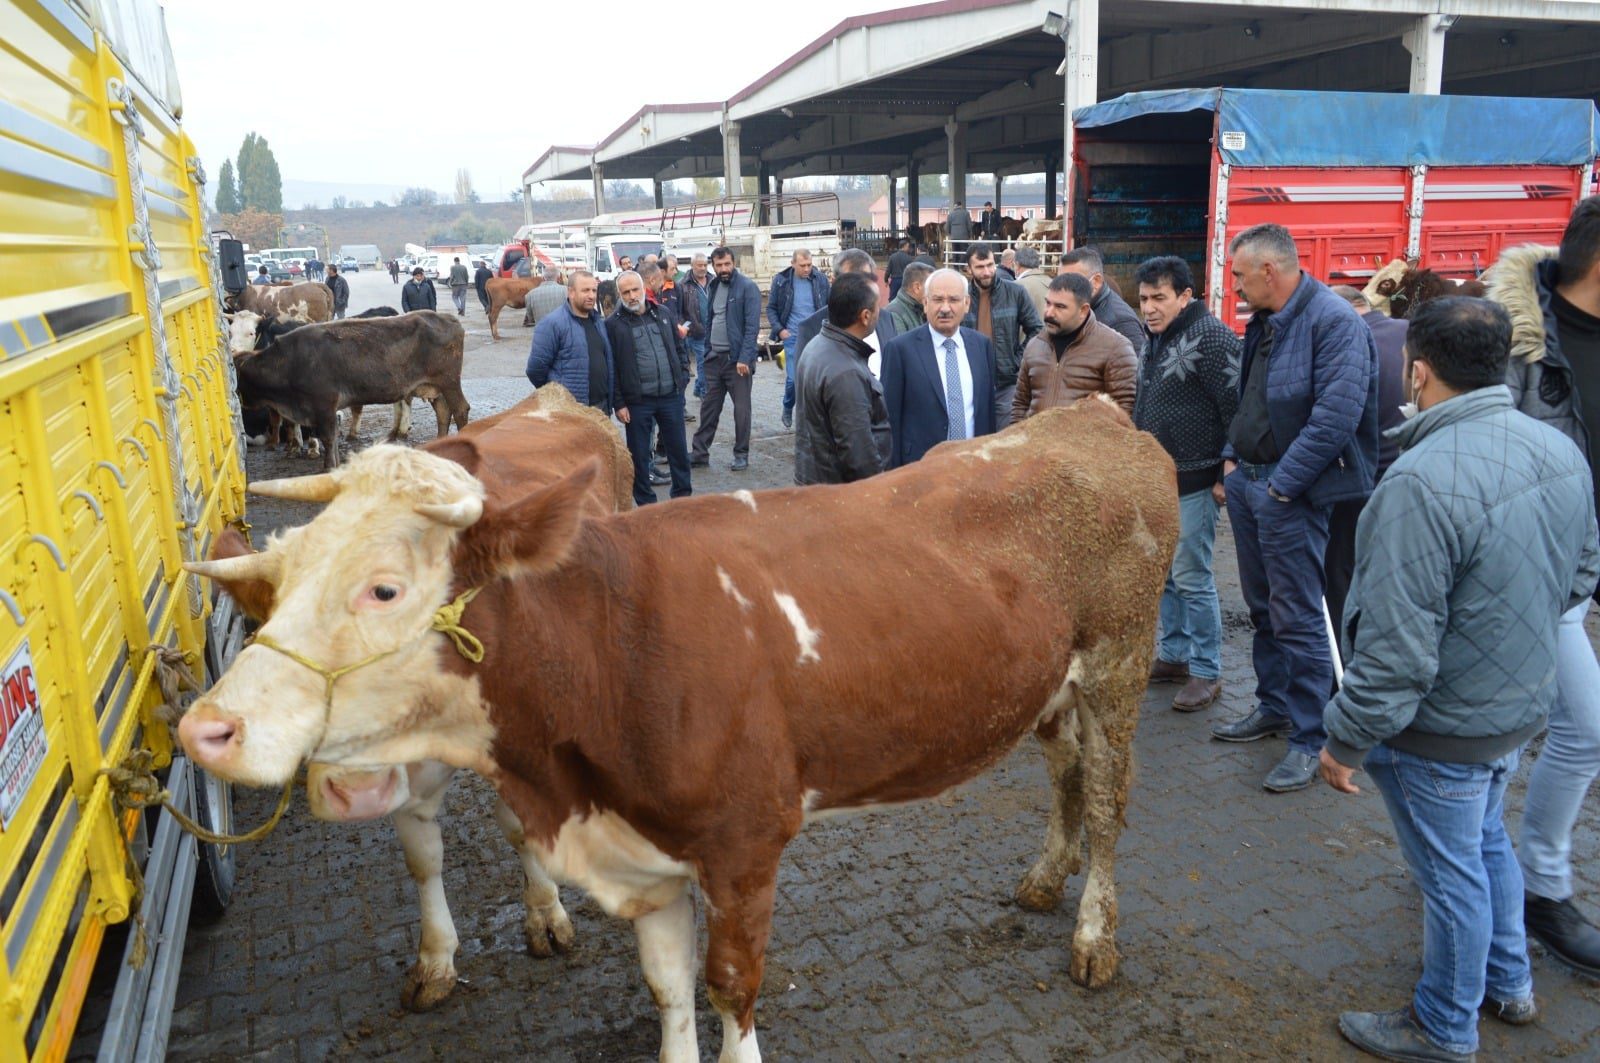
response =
{"points": [[401, 430], [326, 431], [738, 923], [355, 424], [433, 977], [547, 927], [666, 953]]}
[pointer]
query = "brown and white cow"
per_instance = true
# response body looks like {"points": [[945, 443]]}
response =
{"points": [[538, 441], [507, 291], [1019, 596], [309, 299]]}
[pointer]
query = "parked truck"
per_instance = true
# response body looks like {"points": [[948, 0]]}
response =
{"points": [[1359, 179], [120, 459], [596, 244], [763, 231]]}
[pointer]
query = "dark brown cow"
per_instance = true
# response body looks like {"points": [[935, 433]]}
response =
{"points": [[535, 443], [504, 292], [1019, 597], [311, 373]]}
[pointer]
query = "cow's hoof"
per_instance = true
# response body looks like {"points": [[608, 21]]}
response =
{"points": [[1094, 964], [1037, 894], [426, 987], [549, 934]]}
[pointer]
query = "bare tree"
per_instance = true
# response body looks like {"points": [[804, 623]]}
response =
{"points": [[464, 190]]}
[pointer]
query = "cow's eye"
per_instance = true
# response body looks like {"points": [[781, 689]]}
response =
{"points": [[385, 593]]}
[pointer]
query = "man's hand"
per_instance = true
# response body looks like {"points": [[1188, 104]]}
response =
{"points": [[783, 334], [1335, 774], [623, 415], [683, 330], [742, 369], [1219, 493]]}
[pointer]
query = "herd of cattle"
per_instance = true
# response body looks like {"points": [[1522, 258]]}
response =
{"points": [[532, 628], [297, 369]]}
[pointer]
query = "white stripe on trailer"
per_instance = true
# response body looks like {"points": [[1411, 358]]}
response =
{"points": [[1497, 191], [1343, 193]]}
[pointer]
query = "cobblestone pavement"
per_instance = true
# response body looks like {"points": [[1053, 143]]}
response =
{"points": [[1248, 921]]}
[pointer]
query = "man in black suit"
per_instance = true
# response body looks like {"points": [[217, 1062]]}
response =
{"points": [[938, 379]]}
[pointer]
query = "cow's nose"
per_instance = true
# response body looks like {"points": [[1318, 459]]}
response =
{"points": [[208, 738]]}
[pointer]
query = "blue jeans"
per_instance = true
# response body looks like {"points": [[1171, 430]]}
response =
{"points": [[640, 433], [788, 370], [698, 346], [1447, 818], [1191, 620], [1569, 763], [1280, 547]]}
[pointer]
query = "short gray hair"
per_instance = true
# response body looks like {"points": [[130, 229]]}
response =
{"points": [[798, 253], [699, 256], [1352, 295], [946, 271], [852, 259], [552, 273], [915, 273], [629, 273], [1027, 258], [1269, 241]]}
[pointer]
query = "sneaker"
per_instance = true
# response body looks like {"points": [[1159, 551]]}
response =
{"points": [[739, 465], [1396, 1035], [689, 418], [658, 479], [1168, 671], [1512, 1012], [1196, 694], [1562, 929], [1259, 724], [1294, 772]]}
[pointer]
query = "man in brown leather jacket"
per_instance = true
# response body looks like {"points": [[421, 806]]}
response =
{"points": [[1074, 356]]}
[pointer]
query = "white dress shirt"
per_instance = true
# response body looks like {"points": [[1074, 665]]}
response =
{"points": [[875, 359], [966, 373]]}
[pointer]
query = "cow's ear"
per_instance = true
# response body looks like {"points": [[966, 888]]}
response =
{"points": [[459, 449], [531, 535], [253, 595]]}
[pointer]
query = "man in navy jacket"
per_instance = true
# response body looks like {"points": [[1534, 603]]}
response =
{"points": [[733, 319], [1305, 437], [928, 371], [571, 347]]}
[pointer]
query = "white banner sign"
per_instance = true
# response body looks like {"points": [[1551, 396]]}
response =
{"points": [[22, 744]]}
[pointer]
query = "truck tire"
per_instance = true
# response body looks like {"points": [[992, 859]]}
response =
{"points": [[213, 883]]}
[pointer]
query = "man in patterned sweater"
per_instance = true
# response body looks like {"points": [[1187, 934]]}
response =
{"points": [[1188, 392]]}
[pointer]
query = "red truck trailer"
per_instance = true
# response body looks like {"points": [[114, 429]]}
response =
{"points": [[1358, 178]]}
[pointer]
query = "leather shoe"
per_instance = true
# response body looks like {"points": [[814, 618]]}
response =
{"points": [[1562, 929], [699, 463], [1196, 694], [657, 479], [1168, 672], [740, 464], [788, 418], [1259, 724], [1512, 1012], [1294, 772], [1396, 1035]]}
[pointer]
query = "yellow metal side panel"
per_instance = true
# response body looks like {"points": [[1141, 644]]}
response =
{"points": [[84, 463]]}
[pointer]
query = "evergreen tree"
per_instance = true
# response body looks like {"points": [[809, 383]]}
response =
{"points": [[260, 183], [227, 191]]}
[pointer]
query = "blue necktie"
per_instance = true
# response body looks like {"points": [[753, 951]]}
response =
{"points": [[955, 402]]}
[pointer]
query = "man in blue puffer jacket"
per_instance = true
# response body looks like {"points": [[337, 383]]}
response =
{"points": [[1305, 436], [570, 346]]}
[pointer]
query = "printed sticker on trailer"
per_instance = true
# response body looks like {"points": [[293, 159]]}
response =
{"points": [[1233, 141], [22, 742]]}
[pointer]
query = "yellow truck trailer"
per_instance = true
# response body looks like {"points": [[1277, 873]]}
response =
{"points": [[120, 458]]}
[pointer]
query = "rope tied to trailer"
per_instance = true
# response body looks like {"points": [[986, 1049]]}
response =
{"points": [[134, 785]]}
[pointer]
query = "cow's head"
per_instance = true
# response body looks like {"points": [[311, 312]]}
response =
{"points": [[352, 595], [243, 327]]}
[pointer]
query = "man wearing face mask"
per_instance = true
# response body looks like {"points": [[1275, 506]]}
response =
{"points": [[1480, 536], [1074, 356]]}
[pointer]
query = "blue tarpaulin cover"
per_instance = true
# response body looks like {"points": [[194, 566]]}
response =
{"points": [[1263, 127]]}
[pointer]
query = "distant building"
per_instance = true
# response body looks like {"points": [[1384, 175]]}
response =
{"points": [[1024, 202]]}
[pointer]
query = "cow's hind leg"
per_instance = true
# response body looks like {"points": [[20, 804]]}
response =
{"points": [[548, 929], [666, 952], [402, 421], [1107, 707], [433, 977], [460, 409], [355, 423], [1041, 888]]}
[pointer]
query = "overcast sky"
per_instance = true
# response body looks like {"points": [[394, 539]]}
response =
{"points": [[373, 92]]}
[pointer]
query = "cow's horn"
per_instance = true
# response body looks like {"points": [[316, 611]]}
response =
{"points": [[462, 513], [319, 488], [265, 565]]}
